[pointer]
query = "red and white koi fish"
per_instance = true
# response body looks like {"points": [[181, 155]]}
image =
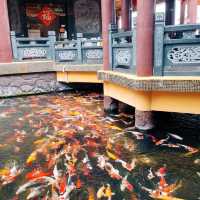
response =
{"points": [[113, 173], [191, 150], [126, 185], [161, 172], [159, 142], [101, 161], [69, 189], [126, 165], [10, 175]]}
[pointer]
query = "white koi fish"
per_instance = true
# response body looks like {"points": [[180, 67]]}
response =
{"points": [[150, 174], [175, 136], [35, 192]]}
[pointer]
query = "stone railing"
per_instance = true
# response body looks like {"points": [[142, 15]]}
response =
{"points": [[122, 50], [176, 49], [80, 51], [33, 48]]}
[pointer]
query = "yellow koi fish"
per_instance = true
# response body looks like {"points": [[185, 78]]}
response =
{"points": [[31, 158], [112, 156]]}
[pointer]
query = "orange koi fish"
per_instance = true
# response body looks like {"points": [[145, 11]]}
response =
{"points": [[79, 184], [62, 185], [37, 174], [91, 193]]}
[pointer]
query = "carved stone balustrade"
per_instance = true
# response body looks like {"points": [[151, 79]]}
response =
{"points": [[176, 49]]}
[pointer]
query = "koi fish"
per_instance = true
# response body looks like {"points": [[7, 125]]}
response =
{"points": [[108, 192], [164, 197], [159, 142], [126, 185], [138, 135], [150, 174], [69, 189], [161, 172], [112, 156], [31, 158], [175, 136], [36, 174], [62, 185], [91, 193], [35, 192], [101, 192], [78, 184], [126, 165], [171, 145], [113, 173], [101, 161], [114, 127]]}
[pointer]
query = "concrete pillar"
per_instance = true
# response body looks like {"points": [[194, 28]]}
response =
{"points": [[144, 37], [106, 10], [144, 54], [110, 105], [5, 43], [144, 120], [170, 12], [182, 13], [192, 11], [125, 14], [108, 17]]}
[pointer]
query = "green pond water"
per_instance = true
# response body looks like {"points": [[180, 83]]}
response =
{"points": [[55, 142]]}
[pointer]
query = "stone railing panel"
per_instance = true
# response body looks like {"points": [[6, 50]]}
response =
{"points": [[122, 50], [177, 49]]}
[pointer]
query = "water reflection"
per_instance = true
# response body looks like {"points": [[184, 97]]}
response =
{"points": [[64, 147]]}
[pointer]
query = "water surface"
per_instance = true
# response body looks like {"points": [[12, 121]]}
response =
{"points": [[58, 141]]}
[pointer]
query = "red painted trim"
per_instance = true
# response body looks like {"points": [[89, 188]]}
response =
{"points": [[5, 43], [144, 37], [192, 11], [106, 9], [125, 14]]}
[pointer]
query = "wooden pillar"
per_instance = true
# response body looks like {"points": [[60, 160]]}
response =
{"points": [[125, 14], [144, 37], [170, 12], [182, 13], [5, 43], [144, 54], [108, 17], [106, 10], [192, 11], [134, 4]]}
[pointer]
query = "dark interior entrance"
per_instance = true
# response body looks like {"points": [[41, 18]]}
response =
{"points": [[34, 18]]}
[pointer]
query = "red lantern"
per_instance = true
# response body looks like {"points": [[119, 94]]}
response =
{"points": [[46, 16]]}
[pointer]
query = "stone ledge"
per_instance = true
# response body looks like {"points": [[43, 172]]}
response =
{"points": [[26, 67], [78, 67], [168, 83]]}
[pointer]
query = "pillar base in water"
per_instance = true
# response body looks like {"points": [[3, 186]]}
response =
{"points": [[110, 105], [144, 120]]}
